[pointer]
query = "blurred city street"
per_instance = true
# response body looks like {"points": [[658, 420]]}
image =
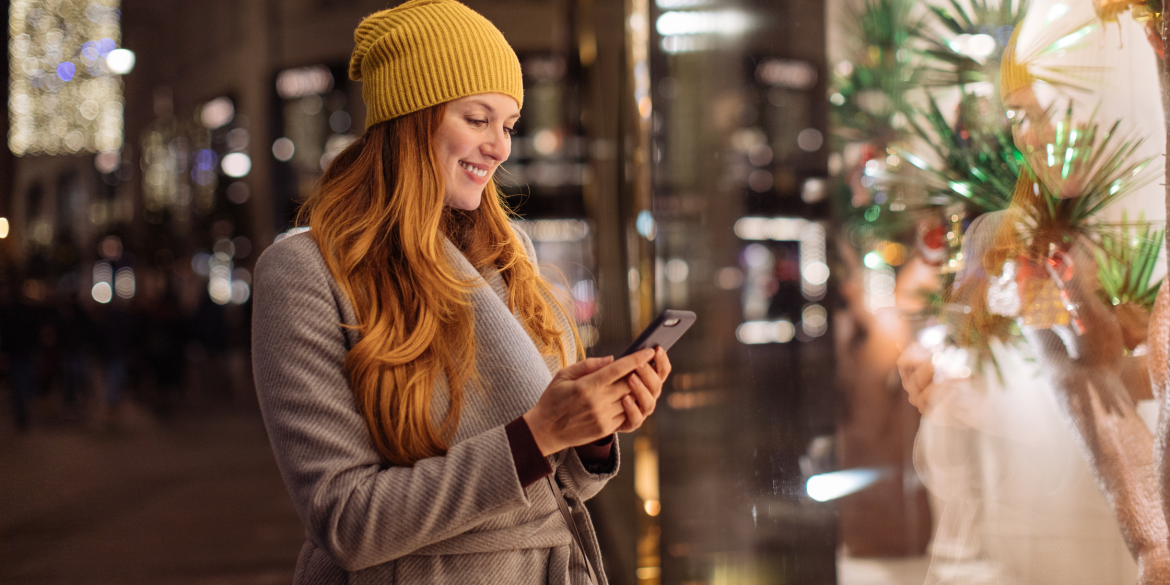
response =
{"points": [[197, 500], [844, 192]]}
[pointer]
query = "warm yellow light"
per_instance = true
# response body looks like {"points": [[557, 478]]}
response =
{"points": [[3, 227], [653, 507], [647, 573]]}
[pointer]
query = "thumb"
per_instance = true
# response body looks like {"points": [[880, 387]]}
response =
{"points": [[585, 367]]}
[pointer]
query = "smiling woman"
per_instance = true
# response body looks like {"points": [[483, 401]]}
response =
{"points": [[421, 383]]}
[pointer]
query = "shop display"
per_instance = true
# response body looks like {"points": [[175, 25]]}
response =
{"points": [[1012, 192]]}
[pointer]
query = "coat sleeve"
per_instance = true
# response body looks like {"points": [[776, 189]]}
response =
{"points": [[581, 483], [355, 506], [571, 472]]}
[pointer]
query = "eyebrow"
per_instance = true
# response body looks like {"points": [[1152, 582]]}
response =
{"points": [[492, 110]]}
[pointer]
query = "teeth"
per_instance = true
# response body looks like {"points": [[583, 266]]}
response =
{"points": [[478, 171]]}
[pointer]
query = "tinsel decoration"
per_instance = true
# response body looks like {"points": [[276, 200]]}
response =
{"points": [[869, 103], [1126, 262], [1147, 12], [1125, 265], [977, 165], [970, 49], [1064, 184], [870, 88], [1079, 172], [1140, 10]]}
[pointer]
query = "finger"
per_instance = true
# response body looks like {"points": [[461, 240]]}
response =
{"points": [[585, 367], [662, 364], [634, 417], [911, 359], [916, 382], [905, 362], [645, 397], [620, 368], [924, 375], [606, 402], [649, 378]]}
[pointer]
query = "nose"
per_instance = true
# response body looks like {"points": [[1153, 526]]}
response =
{"points": [[498, 147]]}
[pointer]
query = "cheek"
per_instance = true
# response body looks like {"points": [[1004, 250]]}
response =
{"points": [[453, 144]]}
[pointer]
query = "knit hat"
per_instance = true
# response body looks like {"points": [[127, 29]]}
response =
{"points": [[1013, 75], [426, 52]]}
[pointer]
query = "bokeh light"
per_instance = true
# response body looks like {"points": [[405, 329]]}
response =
{"points": [[236, 165], [62, 98], [66, 71], [120, 61], [759, 332], [102, 292], [283, 149], [238, 192], [217, 112], [124, 283]]}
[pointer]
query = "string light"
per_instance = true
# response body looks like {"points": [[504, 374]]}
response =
{"points": [[64, 96]]}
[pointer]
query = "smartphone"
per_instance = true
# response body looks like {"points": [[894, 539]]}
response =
{"points": [[666, 329]]}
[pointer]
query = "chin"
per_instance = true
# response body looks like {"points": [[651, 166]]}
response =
{"points": [[466, 203]]}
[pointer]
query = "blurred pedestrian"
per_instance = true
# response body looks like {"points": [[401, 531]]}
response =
{"points": [[118, 333], [73, 336], [210, 331], [165, 348], [20, 327], [421, 385]]}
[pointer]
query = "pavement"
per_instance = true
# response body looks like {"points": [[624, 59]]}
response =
{"points": [[126, 499]]}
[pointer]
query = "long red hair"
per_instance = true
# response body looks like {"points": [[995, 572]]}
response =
{"points": [[378, 217]]}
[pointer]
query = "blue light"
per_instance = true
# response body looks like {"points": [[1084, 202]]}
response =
{"points": [[90, 51], [104, 47], [833, 485], [204, 159], [66, 71], [644, 223]]}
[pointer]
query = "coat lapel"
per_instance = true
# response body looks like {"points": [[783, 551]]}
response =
{"points": [[512, 370]]}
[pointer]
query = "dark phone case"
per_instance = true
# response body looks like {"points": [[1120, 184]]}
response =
{"points": [[656, 334]]}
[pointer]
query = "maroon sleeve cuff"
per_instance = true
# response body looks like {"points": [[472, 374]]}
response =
{"points": [[531, 466], [596, 452]]}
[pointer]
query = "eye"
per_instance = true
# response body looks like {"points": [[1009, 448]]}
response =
{"points": [[510, 131], [475, 122]]}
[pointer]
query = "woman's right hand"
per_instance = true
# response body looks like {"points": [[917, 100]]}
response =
{"points": [[917, 373], [584, 402]]}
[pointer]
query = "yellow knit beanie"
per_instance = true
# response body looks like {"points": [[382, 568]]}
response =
{"points": [[426, 52], [1013, 75]]}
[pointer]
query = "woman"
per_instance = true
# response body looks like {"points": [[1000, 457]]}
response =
{"points": [[420, 382]]}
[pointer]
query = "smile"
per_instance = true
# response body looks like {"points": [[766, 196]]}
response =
{"points": [[477, 171]]}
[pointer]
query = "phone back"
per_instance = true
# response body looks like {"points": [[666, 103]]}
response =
{"points": [[664, 331]]}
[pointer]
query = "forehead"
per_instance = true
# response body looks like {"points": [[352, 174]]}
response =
{"points": [[495, 103]]}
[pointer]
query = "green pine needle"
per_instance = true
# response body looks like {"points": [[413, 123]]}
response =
{"points": [[978, 165], [1126, 261]]}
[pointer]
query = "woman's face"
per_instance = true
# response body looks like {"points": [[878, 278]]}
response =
{"points": [[474, 139]]}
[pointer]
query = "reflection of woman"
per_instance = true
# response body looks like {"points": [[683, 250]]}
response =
{"points": [[419, 381], [875, 426], [1015, 499]]}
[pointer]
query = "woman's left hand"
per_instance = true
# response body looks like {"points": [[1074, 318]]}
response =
{"points": [[645, 387]]}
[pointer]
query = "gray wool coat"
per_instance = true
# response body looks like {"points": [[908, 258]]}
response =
{"points": [[461, 518]]}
